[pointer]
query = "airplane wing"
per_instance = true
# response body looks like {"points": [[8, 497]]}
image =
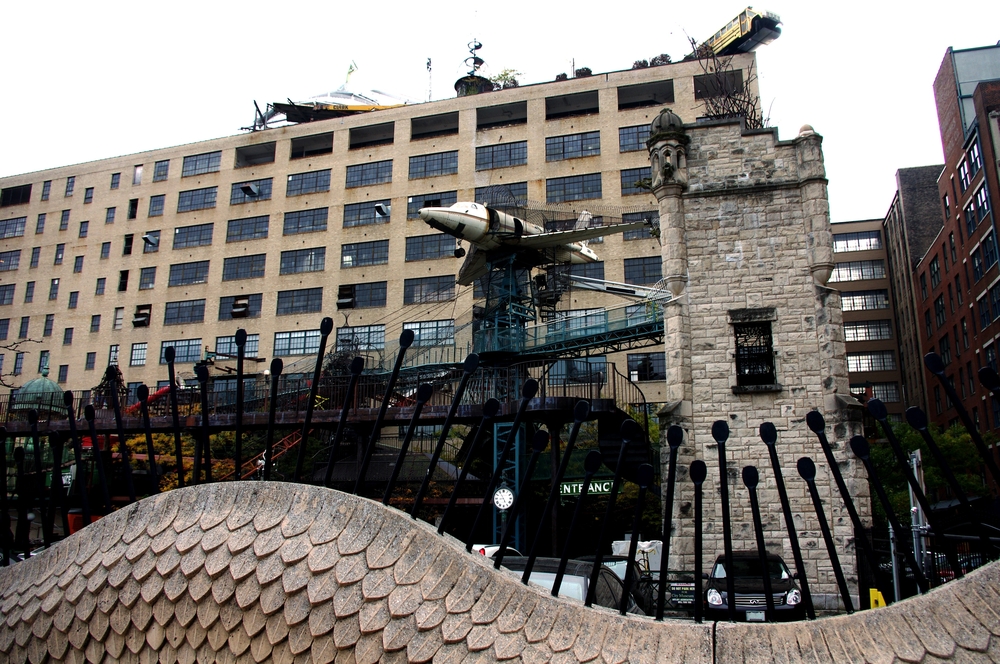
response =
{"points": [[473, 267], [557, 238]]}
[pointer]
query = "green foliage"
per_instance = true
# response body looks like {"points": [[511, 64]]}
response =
{"points": [[507, 78]]}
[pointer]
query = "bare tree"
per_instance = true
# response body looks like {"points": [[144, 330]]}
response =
{"points": [[15, 347], [726, 91]]}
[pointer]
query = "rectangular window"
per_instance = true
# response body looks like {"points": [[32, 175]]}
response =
{"points": [[880, 360], [10, 260], [573, 188], [18, 364], [371, 135], [250, 191], [105, 250], [113, 354], [251, 228], [122, 281], [301, 301], [88, 195], [429, 289], [308, 183], [302, 342], [305, 221], [4, 328], [867, 330], [429, 247], [39, 227], [198, 164], [564, 106], [631, 179], [643, 271], [502, 155], [47, 189], [227, 346], [575, 323], [185, 350], [151, 242], [864, 300], [36, 255], [647, 366], [193, 236], [303, 260], [116, 179], [156, 204], [444, 124], [50, 320], [138, 356], [196, 199], [935, 270], [363, 175], [68, 336], [312, 146], [437, 199], [63, 375], [939, 312], [361, 296], [147, 278], [656, 93], [432, 332], [858, 271], [95, 323], [109, 215], [587, 144], [366, 213], [860, 241], [944, 350], [15, 227], [244, 267], [182, 274], [508, 194], [64, 220], [29, 292], [186, 311], [985, 316], [361, 338], [430, 165], [74, 299], [240, 306], [640, 233], [633, 139], [91, 361], [977, 263], [99, 289], [70, 185], [137, 174], [53, 289], [754, 354], [160, 170], [84, 229], [989, 251], [502, 115], [359, 254], [127, 248], [7, 294], [718, 84], [252, 155]]}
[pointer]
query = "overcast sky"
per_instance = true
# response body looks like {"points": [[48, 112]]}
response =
{"points": [[89, 80]]}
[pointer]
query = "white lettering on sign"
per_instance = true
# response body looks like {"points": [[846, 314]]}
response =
{"points": [[599, 487]]}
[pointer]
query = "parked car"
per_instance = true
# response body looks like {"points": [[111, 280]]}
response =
{"points": [[576, 581], [490, 550], [748, 580], [644, 587]]}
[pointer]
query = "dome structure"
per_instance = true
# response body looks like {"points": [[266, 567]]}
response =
{"points": [[42, 394]]}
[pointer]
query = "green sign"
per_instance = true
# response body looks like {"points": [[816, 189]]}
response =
{"points": [[598, 487]]}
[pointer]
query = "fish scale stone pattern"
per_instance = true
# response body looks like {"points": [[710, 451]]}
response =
{"points": [[275, 572]]}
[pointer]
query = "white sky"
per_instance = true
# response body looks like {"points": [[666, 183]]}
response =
{"points": [[90, 80]]}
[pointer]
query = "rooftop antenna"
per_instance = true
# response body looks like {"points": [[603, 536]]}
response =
{"points": [[474, 61], [429, 86]]}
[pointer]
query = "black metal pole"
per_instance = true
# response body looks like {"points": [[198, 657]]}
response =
{"points": [[276, 368], [201, 371], [36, 447], [168, 355], [81, 476], [490, 410], [591, 464], [405, 340], [142, 392], [807, 471], [698, 472], [112, 375], [538, 444], [98, 454], [468, 368], [58, 494], [720, 432], [751, 478], [241, 341], [675, 436], [325, 327], [57, 469], [357, 366], [22, 537], [645, 478], [424, 392], [6, 536]]}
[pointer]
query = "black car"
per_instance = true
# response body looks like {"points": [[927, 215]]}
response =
{"points": [[748, 582], [576, 581]]}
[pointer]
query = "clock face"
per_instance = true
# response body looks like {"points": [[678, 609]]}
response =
{"points": [[503, 498]]}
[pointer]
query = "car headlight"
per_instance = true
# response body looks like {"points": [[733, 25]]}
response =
{"points": [[714, 597], [793, 597]]}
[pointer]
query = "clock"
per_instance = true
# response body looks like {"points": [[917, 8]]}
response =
{"points": [[503, 498]]}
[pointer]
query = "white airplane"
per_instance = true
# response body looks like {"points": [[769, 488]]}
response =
{"points": [[493, 234]]}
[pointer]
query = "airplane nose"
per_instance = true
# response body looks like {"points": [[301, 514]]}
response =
{"points": [[427, 213]]}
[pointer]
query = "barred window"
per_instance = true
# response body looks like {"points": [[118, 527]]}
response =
{"points": [[868, 330], [362, 175], [251, 228], [198, 164], [182, 274], [429, 165], [193, 236], [301, 342], [156, 205], [859, 270], [643, 271], [186, 311], [365, 296], [147, 278], [253, 302], [303, 300], [501, 155], [630, 178], [754, 354], [10, 260], [196, 199], [185, 350], [587, 144], [364, 253], [437, 199], [303, 260], [432, 332], [305, 221], [160, 170], [427, 247], [363, 214], [308, 183], [15, 227], [880, 360], [361, 337], [429, 289], [859, 241], [633, 139], [227, 346], [647, 366], [239, 193], [573, 188], [138, 356], [243, 267], [640, 233], [501, 194], [864, 300]]}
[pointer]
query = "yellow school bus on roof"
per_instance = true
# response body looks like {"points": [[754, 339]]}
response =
{"points": [[745, 33]]}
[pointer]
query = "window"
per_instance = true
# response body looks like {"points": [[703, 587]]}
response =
{"points": [[571, 146], [196, 199], [717, 84], [198, 164], [867, 330], [301, 301], [113, 354], [151, 242], [36, 255], [116, 179], [858, 271], [502, 155], [240, 306], [53, 289], [186, 311], [989, 251], [576, 322], [95, 323], [127, 247], [432, 332], [305, 221], [10, 260], [307, 183], [444, 124], [122, 281], [137, 174], [244, 267], [359, 254], [105, 250], [251, 155], [99, 289], [4, 328], [68, 336], [64, 220], [754, 354], [633, 139], [182, 274], [985, 316], [371, 135], [645, 94], [7, 294], [156, 205], [630, 179], [880, 360], [643, 271], [193, 236], [88, 195], [361, 296], [935, 270], [363, 175], [252, 228], [312, 146], [29, 292], [63, 375], [18, 364], [438, 199], [302, 342], [502, 115], [564, 106], [84, 228], [647, 366], [864, 300], [951, 244], [501, 194], [227, 346], [22, 333], [360, 338], [74, 299], [573, 188], [652, 218], [427, 247], [70, 185], [429, 289], [250, 191], [147, 278], [133, 208], [91, 361], [965, 334], [39, 227], [944, 350], [109, 215], [939, 311], [160, 171], [15, 227], [430, 165], [185, 350], [138, 356], [303, 260], [47, 189]]}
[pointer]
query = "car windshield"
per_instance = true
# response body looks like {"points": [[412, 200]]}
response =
{"points": [[749, 568], [574, 587]]}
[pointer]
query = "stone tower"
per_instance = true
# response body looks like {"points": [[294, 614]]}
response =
{"points": [[753, 333]]}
